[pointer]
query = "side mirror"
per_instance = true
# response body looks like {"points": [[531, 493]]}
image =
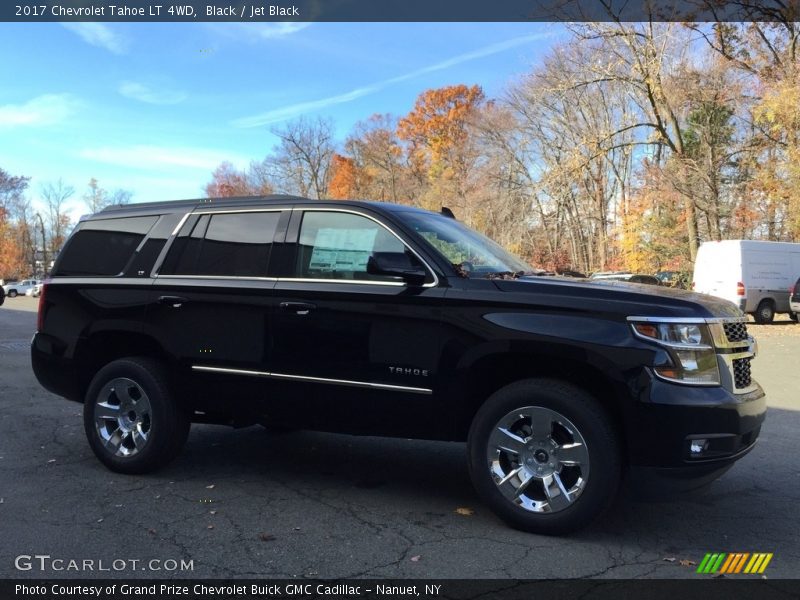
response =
{"points": [[397, 264]]}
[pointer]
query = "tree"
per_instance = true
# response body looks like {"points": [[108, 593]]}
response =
{"points": [[55, 196], [13, 224], [344, 178], [301, 162], [226, 181], [96, 198], [441, 146], [378, 155]]}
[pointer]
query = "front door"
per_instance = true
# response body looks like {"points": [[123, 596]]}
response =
{"points": [[342, 331]]}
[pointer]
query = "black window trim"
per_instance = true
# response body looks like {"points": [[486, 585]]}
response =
{"points": [[433, 283], [155, 274]]}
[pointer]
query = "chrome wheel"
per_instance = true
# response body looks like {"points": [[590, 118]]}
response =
{"points": [[538, 459], [122, 417]]}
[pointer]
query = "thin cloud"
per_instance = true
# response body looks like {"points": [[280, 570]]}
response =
{"points": [[100, 35], [143, 93], [160, 158], [281, 114], [258, 31], [46, 109]]}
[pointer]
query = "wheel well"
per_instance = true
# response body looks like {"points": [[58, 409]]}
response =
{"points": [[767, 301], [494, 372], [105, 347]]}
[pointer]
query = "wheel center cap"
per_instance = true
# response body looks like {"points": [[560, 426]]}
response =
{"points": [[541, 456]]}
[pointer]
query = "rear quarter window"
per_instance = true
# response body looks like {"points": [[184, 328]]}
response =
{"points": [[102, 247]]}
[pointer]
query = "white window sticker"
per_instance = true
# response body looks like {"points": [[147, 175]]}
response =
{"points": [[342, 250]]}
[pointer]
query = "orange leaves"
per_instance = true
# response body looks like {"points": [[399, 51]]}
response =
{"points": [[343, 178], [437, 123]]}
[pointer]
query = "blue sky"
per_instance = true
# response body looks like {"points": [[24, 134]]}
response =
{"points": [[154, 107]]}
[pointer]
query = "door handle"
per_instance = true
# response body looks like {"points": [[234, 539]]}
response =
{"points": [[173, 301], [300, 308]]}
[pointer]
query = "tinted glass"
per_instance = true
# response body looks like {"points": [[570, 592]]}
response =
{"points": [[102, 248], [235, 244], [336, 245], [143, 262], [470, 251]]}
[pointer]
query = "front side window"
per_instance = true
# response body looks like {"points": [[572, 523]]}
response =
{"points": [[337, 245], [229, 245]]}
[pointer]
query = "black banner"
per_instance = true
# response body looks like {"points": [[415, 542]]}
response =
{"points": [[364, 589], [402, 10]]}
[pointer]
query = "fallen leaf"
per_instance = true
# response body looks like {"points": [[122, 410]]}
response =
{"points": [[151, 531], [687, 563], [213, 512], [297, 529], [2, 500], [210, 487], [210, 527], [467, 512], [99, 520], [669, 559], [415, 558], [266, 537], [52, 460]]}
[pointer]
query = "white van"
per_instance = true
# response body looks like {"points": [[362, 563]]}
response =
{"points": [[756, 276]]}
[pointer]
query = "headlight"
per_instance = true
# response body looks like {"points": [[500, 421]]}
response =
{"points": [[690, 348]]}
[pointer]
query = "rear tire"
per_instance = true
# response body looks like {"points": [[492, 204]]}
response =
{"points": [[530, 449], [765, 313], [794, 316], [12, 294], [132, 422]]}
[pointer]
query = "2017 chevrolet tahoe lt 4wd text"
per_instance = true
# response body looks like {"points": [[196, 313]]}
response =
{"points": [[377, 319]]}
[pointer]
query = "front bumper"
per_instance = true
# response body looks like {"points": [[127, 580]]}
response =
{"points": [[669, 419]]}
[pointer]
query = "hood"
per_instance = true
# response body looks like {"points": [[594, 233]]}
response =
{"points": [[619, 297]]}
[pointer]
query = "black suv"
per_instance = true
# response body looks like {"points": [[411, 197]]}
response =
{"points": [[378, 319]]}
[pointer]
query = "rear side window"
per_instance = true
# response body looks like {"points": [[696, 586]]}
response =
{"points": [[102, 247], [231, 244]]}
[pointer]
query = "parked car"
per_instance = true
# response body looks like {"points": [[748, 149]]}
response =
{"points": [[754, 275], [19, 288], [794, 301], [626, 276], [378, 319], [2, 295]]}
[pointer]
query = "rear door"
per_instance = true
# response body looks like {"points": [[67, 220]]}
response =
{"points": [[211, 299]]}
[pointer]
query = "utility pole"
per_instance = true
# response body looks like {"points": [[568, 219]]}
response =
{"points": [[44, 246]]}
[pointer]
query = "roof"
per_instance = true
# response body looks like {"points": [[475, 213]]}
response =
{"points": [[244, 201]]}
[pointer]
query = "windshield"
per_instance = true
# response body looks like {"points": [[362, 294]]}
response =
{"points": [[472, 254]]}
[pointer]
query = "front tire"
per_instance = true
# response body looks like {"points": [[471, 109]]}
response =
{"points": [[12, 294], [544, 456], [131, 420]]}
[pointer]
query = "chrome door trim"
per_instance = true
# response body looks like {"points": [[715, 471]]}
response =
{"points": [[285, 376]]}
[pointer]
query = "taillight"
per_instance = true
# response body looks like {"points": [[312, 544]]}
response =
{"points": [[40, 315], [740, 289]]}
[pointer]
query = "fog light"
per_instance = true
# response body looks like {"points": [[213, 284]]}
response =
{"points": [[697, 447]]}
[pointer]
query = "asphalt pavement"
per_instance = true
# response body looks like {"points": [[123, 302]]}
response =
{"points": [[248, 503]]}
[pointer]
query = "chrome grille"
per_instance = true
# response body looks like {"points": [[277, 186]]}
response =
{"points": [[735, 332], [741, 372]]}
